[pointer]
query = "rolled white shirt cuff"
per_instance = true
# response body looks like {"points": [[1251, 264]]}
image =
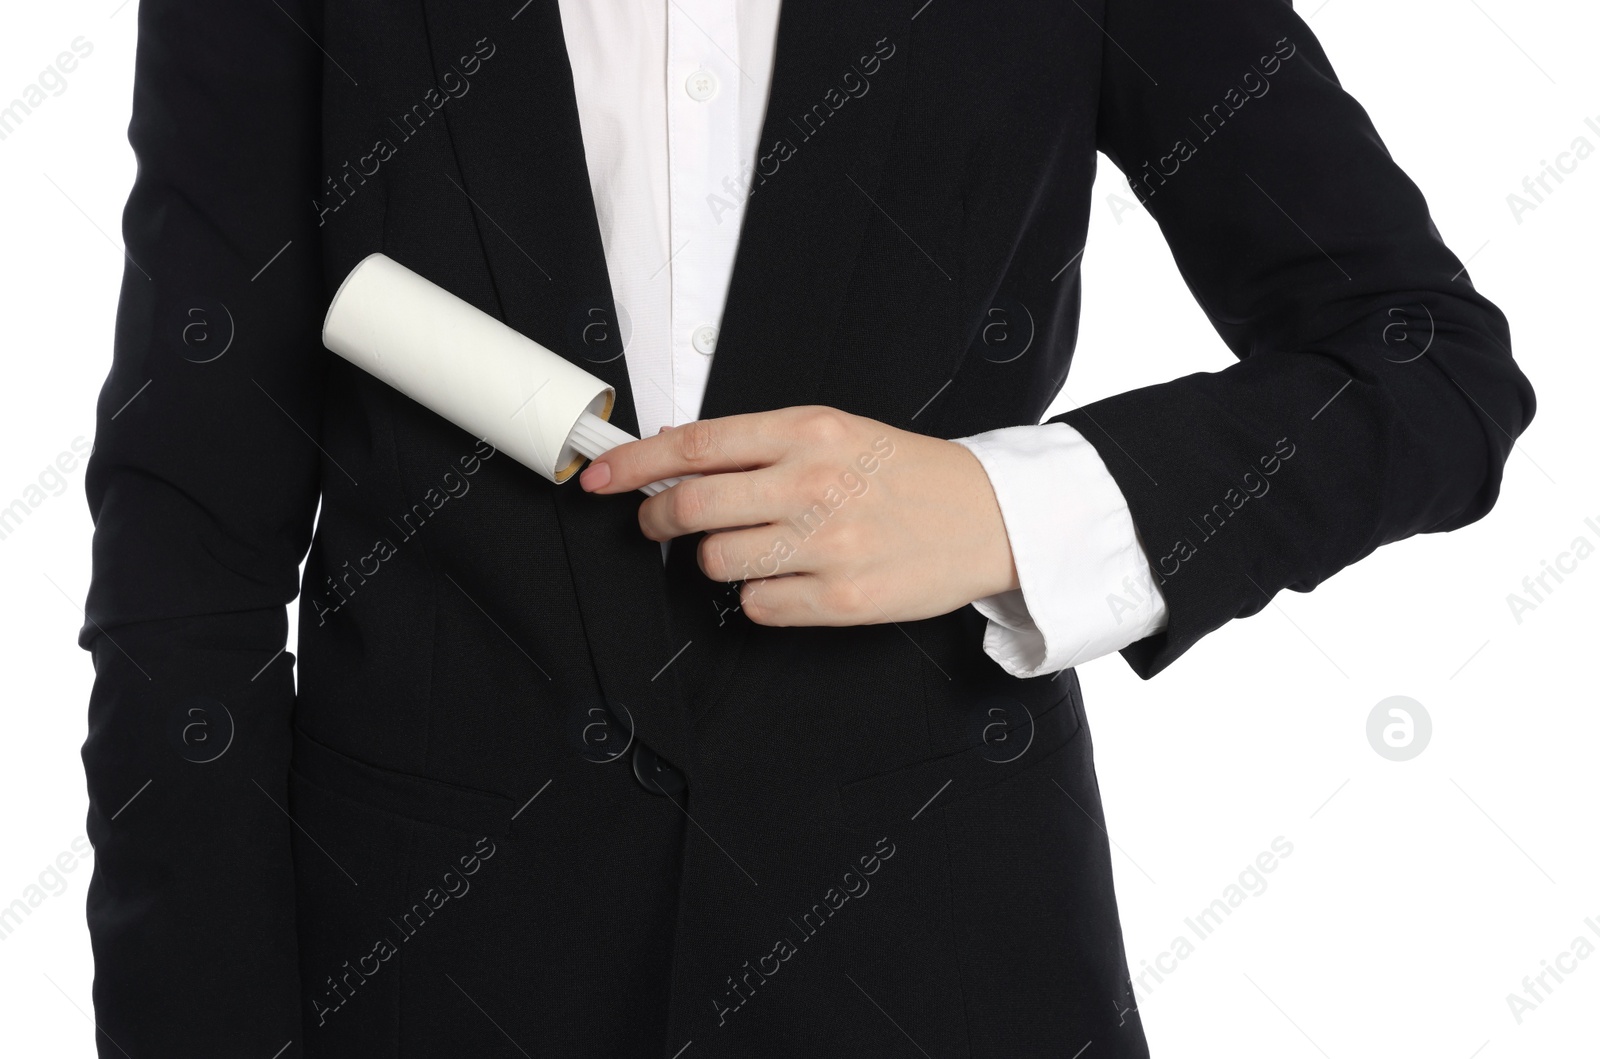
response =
{"points": [[1087, 588]]}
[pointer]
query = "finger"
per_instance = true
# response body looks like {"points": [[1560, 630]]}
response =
{"points": [[705, 446], [752, 553], [807, 599], [713, 502], [785, 600]]}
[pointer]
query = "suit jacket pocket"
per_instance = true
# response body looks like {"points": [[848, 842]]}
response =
{"points": [[418, 799], [1017, 738]]}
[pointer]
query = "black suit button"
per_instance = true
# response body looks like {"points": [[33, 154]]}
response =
{"points": [[654, 773]]}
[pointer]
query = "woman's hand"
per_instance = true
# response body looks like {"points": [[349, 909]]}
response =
{"points": [[828, 518]]}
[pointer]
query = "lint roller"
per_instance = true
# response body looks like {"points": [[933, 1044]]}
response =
{"points": [[485, 377]]}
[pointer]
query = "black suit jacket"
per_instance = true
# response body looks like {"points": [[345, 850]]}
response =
{"points": [[436, 844]]}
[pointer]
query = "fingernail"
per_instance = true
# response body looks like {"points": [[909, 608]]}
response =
{"points": [[664, 429], [595, 476]]}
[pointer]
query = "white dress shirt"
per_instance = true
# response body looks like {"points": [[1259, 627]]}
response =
{"points": [[671, 98]]}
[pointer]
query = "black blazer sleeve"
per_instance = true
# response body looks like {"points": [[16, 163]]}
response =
{"points": [[1365, 353], [203, 486]]}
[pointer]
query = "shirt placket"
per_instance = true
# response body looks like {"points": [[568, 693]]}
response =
{"points": [[703, 88]]}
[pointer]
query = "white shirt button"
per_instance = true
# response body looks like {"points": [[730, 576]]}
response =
{"points": [[704, 339], [701, 85]]}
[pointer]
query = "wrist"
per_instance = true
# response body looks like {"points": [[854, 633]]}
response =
{"points": [[992, 564]]}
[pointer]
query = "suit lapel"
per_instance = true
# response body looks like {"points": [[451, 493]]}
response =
{"points": [[802, 230], [520, 150], [519, 146], [805, 218]]}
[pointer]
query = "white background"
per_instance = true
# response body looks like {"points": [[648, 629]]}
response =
{"points": [[1418, 894]]}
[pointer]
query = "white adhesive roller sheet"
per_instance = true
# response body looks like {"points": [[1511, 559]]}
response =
{"points": [[492, 381]]}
